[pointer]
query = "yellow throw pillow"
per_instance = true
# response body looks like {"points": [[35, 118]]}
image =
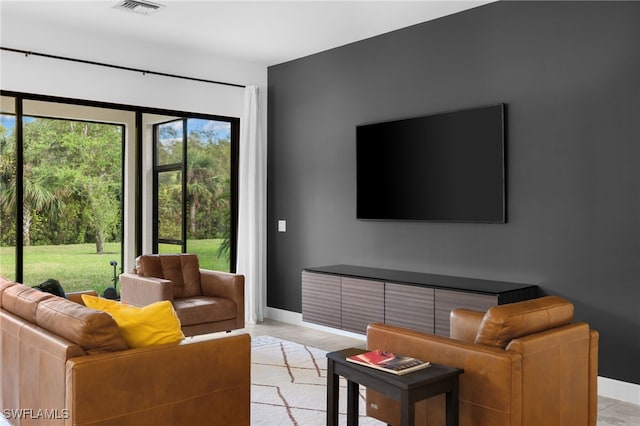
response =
{"points": [[153, 324]]}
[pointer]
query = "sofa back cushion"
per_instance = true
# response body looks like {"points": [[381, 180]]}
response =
{"points": [[23, 301], [183, 270], [92, 330], [503, 323], [5, 283]]}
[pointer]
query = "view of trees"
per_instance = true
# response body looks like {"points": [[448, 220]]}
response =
{"points": [[207, 180], [72, 183], [7, 186]]}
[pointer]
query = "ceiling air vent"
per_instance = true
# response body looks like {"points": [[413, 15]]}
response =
{"points": [[138, 6]]}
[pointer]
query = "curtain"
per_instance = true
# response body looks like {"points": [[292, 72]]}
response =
{"points": [[252, 208]]}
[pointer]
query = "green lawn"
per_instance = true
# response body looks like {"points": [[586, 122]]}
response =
{"points": [[78, 267]]}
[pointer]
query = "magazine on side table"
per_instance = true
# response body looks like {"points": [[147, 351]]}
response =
{"points": [[389, 362]]}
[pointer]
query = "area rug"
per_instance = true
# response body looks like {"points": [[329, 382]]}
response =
{"points": [[289, 385]]}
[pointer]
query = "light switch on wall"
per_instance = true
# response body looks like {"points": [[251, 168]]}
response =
{"points": [[282, 226]]}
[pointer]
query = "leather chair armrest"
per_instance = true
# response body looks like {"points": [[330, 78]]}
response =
{"points": [[76, 296], [142, 291], [197, 381], [557, 367], [464, 324], [227, 285]]}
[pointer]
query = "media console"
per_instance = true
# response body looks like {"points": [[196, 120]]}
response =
{"points": [[350, 297]]}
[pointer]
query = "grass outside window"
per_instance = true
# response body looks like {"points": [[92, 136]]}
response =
{"points": [[78, 267]]}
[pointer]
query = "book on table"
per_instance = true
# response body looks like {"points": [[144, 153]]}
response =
{"points": [[389, 362]]}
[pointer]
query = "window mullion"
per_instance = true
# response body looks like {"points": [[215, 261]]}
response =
{"points": [[19, 191], [184, 184]]}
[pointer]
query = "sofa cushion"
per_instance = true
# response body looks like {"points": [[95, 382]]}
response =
{"points": [[23, 301], [183, 270], [153, 324], [190, 266], [503, 323], [172, 270], [5, 283], [203, 309], [148, 265], [92, 330]]}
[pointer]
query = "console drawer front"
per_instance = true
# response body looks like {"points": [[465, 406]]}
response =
{"points": [[362, 304], [321, 299], [409, 306]]}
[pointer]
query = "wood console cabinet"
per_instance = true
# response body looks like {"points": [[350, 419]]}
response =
{"points": [[351, 297]]}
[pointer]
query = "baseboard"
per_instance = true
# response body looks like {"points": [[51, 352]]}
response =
{"points": [[608, 388], [296, 318], [617, 389], [283, 316], [335, 331]]}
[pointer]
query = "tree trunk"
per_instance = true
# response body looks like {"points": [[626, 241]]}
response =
{"points": [[99, 242], [26, 226], [192, 217]]}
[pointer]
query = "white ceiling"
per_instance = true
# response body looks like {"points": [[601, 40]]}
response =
{"points": [[260, 32]]}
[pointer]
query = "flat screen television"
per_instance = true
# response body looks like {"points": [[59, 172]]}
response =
{"points": [[446, 167]]}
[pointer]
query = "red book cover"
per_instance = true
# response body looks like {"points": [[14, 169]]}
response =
{"points": [[373, 357]]}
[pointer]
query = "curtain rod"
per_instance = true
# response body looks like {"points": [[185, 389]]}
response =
{"points": [[83, 61]]}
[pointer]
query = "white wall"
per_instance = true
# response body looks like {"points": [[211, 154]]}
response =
{"points": [[53, 77], [38, 75]]}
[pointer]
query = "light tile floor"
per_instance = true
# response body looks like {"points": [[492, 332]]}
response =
{"points": [[611, 412]]}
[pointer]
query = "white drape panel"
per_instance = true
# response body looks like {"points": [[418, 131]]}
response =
{"points": [[252, 208]]}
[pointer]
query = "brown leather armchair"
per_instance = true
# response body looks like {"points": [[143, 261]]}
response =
{"points": [[525, 364], [205, 301]]}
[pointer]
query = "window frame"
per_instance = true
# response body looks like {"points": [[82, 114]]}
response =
{"points": [[136, 149]]}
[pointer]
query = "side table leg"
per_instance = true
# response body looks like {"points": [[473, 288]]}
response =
{"points": [[332, 394], [452, 408], [353, 412], [407, 410]]}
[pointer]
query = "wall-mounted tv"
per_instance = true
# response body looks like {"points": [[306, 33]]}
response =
{"points": [[446, 167]]}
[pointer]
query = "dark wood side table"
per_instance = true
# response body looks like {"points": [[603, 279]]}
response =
{"points": [[408, 389]]}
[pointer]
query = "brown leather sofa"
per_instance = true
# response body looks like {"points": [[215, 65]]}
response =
{"points": [[525, 364], [62, 363], [205, 301]]}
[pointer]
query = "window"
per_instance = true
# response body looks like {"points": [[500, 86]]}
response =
{"points": [[193, 204], [71, 201], [67, 185], [86, 185]]}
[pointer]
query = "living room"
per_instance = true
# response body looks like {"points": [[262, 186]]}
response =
{"points": [[567, 73]]}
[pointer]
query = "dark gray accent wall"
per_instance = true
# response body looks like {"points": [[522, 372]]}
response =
{"points": [[570, 76]]}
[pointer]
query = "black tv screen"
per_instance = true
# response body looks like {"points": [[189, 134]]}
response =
{"points": [[446, 167]]}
